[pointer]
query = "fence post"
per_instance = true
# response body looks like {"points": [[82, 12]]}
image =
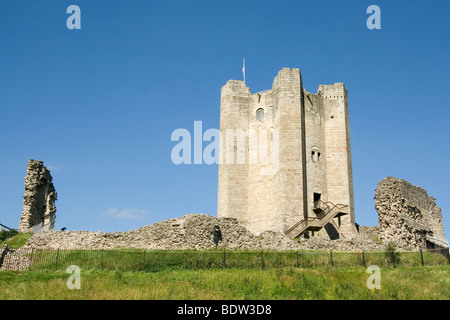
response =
{"points": [[298, 261], [144, 260], [364, 259], [224, 258], [393, 257], [262, 260], [421, 256], [56, 260], [101, 260], [331, 257], [31, 258], [185, 258]]}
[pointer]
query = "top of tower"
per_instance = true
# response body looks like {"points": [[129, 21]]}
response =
{"points": [[332, 90]]}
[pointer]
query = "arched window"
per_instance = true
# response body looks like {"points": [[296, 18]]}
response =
{"points": [[260, 114], [315, 154]]}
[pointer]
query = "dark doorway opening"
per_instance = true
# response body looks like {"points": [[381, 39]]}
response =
{"points": [[316, 198]]}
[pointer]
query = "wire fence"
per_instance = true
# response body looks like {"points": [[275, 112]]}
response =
{"points": [[153, 260]]}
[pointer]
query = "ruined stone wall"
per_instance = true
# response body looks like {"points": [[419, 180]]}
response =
{"points": [[408, 216], [372, 233], [192, 231], [14, 259], [39, 199]]}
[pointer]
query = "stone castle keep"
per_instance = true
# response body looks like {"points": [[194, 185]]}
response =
{"points": [[309, 191]]}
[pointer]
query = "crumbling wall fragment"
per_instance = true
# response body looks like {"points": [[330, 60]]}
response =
{"points": [[39, 199], [408, 216]]}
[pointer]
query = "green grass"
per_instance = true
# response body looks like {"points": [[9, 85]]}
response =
{"points": [[193, 275], [401, 283], [16, 241], [157, 260]]}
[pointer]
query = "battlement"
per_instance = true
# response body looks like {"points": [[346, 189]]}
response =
{"points": [[288, 72], [235, 86], [332, 91]]}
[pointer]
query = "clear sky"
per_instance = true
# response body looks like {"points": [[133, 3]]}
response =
{"points": [[98, 105]]}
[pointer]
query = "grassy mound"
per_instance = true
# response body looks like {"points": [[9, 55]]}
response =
{"points": [[16, 241]]}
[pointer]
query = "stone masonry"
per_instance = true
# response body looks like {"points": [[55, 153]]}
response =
{"points": [[39, 199], [408, 216], [192, 231], [306, 138]]}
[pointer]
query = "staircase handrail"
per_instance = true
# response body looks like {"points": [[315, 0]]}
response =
{"points": [[330, 206]]}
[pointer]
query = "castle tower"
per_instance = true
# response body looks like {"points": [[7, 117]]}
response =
{"points": [[286, 158]]}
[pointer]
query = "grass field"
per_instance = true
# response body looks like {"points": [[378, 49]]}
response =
{"points": [[404, 283], [160, 260], [225, 275]]}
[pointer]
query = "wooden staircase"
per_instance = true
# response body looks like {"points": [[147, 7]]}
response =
{"points": [[325, 212]]}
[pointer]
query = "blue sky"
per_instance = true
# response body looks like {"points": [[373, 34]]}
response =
{"points": [[99, 105]]}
